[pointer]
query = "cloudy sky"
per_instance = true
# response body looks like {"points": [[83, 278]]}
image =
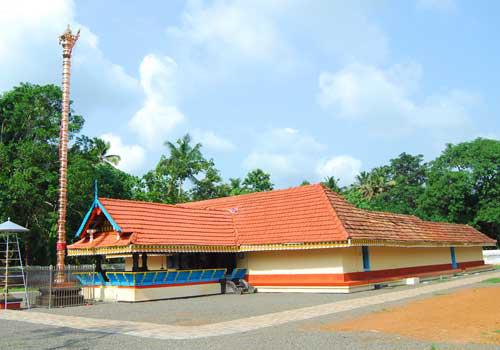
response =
{"points": [[301, 89]]}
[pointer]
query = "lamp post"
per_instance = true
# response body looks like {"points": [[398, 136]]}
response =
{"points": [[67, 40]]}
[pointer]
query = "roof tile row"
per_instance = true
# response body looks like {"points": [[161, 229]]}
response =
{"points": [[303, 214]]}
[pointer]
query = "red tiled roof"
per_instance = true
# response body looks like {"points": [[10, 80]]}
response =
{"points": [[154, 223], [104, 239], [303, 214], [314, 213], [295, 215]]}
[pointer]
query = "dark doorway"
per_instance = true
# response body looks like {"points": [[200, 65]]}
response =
{"points": [[186, 261]]}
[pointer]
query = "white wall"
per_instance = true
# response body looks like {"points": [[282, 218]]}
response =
{"points": [[491, 256]]}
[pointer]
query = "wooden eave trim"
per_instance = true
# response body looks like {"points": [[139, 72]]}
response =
{"points": [[423, 244], [171, 248]]}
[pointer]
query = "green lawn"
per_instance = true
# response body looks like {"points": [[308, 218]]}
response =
{"points": [[492, 280]]}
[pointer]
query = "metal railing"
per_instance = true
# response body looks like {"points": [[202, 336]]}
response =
{"points": [[49, 287]]}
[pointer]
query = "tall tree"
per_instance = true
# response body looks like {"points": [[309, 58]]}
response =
{"points": [[236, 187], [406, 176], [332, 183], [211, 185], [464, 186], [258, 181], [29, 138], [102, 149], [184, 161], [374, 183]]}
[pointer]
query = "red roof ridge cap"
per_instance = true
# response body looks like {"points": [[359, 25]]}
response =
{"points": [[180, 205], [236, 233], [136, 201], [325, 189]]}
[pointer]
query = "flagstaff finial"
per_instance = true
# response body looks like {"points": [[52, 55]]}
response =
{"points": [[96, 190], [67, 40]]}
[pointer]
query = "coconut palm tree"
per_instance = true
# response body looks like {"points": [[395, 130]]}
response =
{"points": [[332, 183], [102, 148], [184, 161], [374, 183]]}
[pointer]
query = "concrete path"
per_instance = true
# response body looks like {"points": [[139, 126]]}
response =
{"points": [[161, 331]]}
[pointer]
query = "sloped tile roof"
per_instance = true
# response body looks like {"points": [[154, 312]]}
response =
{"points": [[295, 215], [104, 239], [314, 213], [305, 214], [154, 223]]}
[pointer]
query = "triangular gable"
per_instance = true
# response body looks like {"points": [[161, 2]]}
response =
{"points": [[96, 204]]}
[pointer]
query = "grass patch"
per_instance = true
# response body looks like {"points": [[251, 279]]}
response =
{"points": [[434, 347], [492, 280], [440, 293], [21, 289], [497, 331]]}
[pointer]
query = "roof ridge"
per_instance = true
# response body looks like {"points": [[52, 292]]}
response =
{"points": [[324, 191], [180, 205], [136, 201], [252, 194]]}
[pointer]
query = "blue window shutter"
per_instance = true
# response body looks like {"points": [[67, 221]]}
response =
{"points": [[366, 258], [454, 264]]}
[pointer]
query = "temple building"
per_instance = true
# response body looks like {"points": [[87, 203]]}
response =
{"points": [[303, 239]]}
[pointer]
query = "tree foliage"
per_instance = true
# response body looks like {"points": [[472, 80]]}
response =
{"points": [[461, 185], [29, 139]]}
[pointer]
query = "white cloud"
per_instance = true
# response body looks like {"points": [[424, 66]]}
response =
{"points": [[285, 152], [159, 114], [344, 167], [292, 156], [228, 29], [387, 102], [212, 141], [446, 6], [29, 51], [132, 156], [217, 38]]}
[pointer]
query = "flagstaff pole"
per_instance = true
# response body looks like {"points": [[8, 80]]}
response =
{"points": [[67, 40]]}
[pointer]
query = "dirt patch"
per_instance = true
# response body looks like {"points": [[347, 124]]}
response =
{"points": [[465, 316]]}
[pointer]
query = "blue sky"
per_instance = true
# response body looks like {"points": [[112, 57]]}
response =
{"points": [[300, 89]]}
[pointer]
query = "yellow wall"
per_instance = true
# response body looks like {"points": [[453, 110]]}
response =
{"points": [[343, 260], [154, 262], [469, 254], [382, 258], [314, 261], [352, 259]]}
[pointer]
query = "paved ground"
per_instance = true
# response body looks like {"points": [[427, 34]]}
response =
{"points": [[259, 321]]}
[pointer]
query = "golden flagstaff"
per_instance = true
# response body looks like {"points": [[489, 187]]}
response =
{"points": [[67, 40]]}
